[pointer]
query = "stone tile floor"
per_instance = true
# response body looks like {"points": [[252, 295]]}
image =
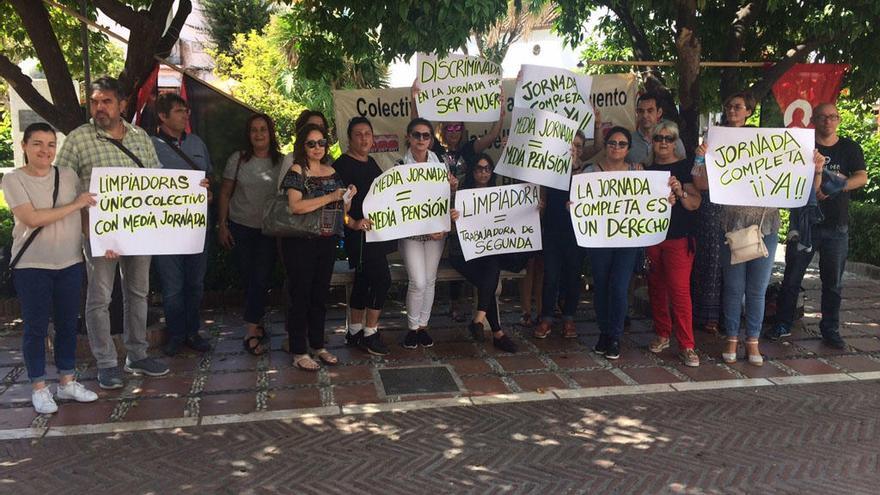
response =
{"points": [[228, 381]]}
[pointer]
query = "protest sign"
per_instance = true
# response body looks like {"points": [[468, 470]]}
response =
{"points": [[559, 91], [408, 200], [458, 88], [498, 220], [539, 148], [389, 111], [147, 211], [620, 209], [751, 166]]}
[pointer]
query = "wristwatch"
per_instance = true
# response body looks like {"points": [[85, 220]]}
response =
{"points": [[684, 194]]}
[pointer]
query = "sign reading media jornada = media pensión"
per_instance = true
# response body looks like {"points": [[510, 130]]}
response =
{"points": [[539, 148], [498, 220], [458, 88], [147, 211]]}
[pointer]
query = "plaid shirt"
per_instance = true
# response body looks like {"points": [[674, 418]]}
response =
{"points": [[87, 147]]}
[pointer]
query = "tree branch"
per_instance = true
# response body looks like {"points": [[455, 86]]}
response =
{"points": [[688, 47], [794, 56], [172, 34], [23, 85], [640, 44], [119, 12], [743, 20]]}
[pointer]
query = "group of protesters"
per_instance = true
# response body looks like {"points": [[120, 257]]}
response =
{"points": [[691, 277]]}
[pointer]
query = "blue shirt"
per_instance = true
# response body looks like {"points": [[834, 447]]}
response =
{"points": [[190, 144]]}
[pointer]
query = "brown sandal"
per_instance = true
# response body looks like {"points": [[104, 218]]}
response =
{"points": [[327, 358], [306, 363]]}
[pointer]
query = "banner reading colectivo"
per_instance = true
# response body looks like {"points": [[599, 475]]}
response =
{"points": [[458, 87], [539, 148], [147, 211], [498, 220], [559, 91], [760, 166], [620, 209], [408, 200], [389, 111]]}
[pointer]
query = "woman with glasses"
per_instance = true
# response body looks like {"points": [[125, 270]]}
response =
{"points": [[483, 272], [311, 184], [670, 262], [249, 180], [421, 254]]}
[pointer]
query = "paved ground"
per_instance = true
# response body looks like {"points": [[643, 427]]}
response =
{"points": [[799, 439]]}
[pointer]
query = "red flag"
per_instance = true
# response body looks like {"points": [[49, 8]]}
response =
{"points": [[146, 97], [803, 87], [186, 99]]}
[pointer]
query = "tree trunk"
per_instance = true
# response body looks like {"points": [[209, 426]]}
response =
{"points": [[742, 22], [687, 45]]}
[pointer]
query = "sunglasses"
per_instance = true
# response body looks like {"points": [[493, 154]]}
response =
{"points": [[659, 139], [321, 142], [617, 144], [454, 128], [485, 169], [421, 136]]}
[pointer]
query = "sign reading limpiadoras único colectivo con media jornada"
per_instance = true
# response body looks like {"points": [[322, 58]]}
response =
{"points": [[538, 150], [458, 88], [751, 166], [408, 200], [620, 209], [498, 220], [147, 211]]}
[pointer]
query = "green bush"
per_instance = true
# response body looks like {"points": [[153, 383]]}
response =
{"points": [[864, 233]]}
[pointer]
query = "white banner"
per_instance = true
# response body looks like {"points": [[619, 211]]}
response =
{"points": [[458, 88], [147, 211], [539, 148], [620, 209], [760, 166], [559, 91], [498, 220], [408, 200]]}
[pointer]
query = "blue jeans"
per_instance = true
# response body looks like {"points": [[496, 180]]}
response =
{"points": [[182, 277], [832, 243], [563, 264], [749, 279], [256, 254], [612, 270], [42, 293]]}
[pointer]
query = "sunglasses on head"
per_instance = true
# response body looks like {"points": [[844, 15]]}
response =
{"points": [[617, 144], [659, 139], [321, 142], [423, 136], [454, 128]]}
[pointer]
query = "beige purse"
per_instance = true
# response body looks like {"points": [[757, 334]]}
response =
{"points": [[747, 244]]}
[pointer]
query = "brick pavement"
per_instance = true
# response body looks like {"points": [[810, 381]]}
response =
{"points": [[227, 381]]}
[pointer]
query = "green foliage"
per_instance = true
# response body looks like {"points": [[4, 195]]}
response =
{"points": [[226, 18], [864, 238], [858, 123], [6, 144]]}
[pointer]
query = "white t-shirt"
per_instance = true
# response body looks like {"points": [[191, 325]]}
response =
{"points": [[256, 185]]}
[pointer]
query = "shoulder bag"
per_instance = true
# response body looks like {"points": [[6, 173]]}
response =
{"points": [[279, 221], [747, 244]]}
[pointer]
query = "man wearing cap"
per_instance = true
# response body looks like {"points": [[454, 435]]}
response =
{"points": [[844, 172]]}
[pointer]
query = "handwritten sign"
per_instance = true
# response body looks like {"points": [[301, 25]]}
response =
{"points": [[559, 91], [498, 220], [408, 200], [458, 88], [620, 209], [760, 166], [539, 148], [147, 211]]}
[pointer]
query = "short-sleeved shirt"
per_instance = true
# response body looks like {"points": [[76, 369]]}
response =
{"points": [[847, 158], [457, 161], [189, 144], [59, 244], [315, 187], [682, 221], [361, 174], [640, 148], [256, 185], [88, 146]]}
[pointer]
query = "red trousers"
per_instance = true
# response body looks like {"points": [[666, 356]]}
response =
{"points": [[669, 285]]}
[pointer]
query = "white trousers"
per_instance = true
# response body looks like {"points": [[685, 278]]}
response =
{"points": [[420, 259]]}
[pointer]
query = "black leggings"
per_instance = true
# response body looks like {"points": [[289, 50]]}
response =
{"points": [[309, 266], [484, 274], [371, 283]]}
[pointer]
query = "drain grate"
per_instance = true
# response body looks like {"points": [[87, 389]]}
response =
{"points": [[418, 380]]}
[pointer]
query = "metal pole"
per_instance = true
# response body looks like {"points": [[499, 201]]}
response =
{"points": [[87, 67]]}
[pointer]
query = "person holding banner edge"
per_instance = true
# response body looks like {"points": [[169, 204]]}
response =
{"points": [[47, 267], [372, 277], [249, 181], [670, 262]]}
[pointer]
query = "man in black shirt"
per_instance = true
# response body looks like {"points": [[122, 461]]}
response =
{"points": [[844, 166]]}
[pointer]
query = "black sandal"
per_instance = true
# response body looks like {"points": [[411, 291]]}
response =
{"points": [[261, 341]]}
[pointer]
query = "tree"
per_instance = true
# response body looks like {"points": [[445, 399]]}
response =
{"points": [[518, 22], [226, 18], [46, 34]]}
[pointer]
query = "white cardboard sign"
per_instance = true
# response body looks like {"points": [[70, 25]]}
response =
{"points": [[458, 88], [559, 91], [408, 200], [498, 220], [539, 148]]}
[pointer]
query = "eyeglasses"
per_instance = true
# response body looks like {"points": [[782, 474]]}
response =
{"points": [[420, 136], [454, 128], [659, 138], [735, 108], [829, 118], [617, 144], [321, 142], [482, 169]]}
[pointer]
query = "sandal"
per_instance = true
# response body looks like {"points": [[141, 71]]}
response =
{"points": [[752, 352], [306, 363], [729, 357], [261, 347], [327, 358], [526, 320]]}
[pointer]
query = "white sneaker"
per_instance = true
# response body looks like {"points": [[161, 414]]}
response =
{"points": [[76, 391], [43, 401]]}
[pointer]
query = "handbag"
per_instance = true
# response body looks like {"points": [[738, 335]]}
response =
{"points": [[747, 244], [279, 221]]}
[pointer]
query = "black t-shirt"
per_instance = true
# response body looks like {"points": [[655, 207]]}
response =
{"points": [[682, 220], [846, 157], [557, 219], [361, 174], [458, 161]]}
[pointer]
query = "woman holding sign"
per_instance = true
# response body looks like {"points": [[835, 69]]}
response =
{"points": [[483, 272], [47, 263], [312, 184], [669, 275]]}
